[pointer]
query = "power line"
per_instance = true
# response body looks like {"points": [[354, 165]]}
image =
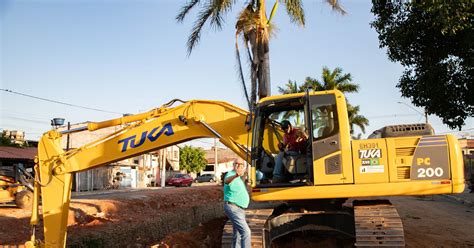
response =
{"points": [[390, 116], [58, 102], [25, 119], [460, 131]]}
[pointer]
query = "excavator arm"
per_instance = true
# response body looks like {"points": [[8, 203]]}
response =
{"points": [[141, 133]]}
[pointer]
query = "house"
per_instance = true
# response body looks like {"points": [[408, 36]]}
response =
{"points": [[10, 156], [16, 137], [467, 148], [467, 145], [225, 161]]}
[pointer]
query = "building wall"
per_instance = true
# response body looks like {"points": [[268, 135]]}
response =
{"points": [[17, 137], [225, 160], [94, 179], [467, 145]]}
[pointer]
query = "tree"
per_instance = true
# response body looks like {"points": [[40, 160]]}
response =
{"points": [[192, 159], [331, 80], [290, 88], [433, 40], [255, 29], [6, 141], [356, 120]]}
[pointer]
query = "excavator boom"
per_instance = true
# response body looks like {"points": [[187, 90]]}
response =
{"points": [[141, 133]]}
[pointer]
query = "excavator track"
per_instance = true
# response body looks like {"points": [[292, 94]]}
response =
{"points": [[378, 225], [256, 219]]}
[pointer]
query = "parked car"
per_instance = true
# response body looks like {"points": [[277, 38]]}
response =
{"points": [[222, 177], [180, 180], [205, 178]]}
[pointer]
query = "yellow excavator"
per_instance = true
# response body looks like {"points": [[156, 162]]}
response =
{"points": [[16, 186], [403, 160]]}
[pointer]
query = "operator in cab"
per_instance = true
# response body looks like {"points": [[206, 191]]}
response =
{"points": [[236, 200], [294, 143]]}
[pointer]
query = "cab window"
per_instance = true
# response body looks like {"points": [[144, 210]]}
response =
{"points": [[325, 122]]}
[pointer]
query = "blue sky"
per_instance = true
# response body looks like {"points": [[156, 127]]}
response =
{"points": [[130, 56]]}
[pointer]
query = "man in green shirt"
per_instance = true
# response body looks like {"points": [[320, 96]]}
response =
{"points": [[236, 199]]}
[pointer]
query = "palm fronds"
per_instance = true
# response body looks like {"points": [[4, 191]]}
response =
{"points": [[295, 11], [185, 10], [336, 6]]}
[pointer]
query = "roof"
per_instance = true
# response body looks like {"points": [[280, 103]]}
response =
{"points": [[220, 160], [10, 152], [223, 155]]}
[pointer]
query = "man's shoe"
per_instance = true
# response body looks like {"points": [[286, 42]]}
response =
{"points": [[277, 180]]}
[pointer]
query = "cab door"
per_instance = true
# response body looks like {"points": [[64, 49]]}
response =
{"points": [[330, 146]]}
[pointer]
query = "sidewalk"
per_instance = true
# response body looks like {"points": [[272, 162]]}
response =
{"points": [[111, 191], [465, 197]]}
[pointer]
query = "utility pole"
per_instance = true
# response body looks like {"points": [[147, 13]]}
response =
{"points": [[163, 167], [68, 146], [414, 109], [215, 156]]}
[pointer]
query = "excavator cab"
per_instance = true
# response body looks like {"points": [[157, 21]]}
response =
{"points": [[269, 133], [318, 116]]}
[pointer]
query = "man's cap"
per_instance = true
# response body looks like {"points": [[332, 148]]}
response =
{"points": [[285, 124]]}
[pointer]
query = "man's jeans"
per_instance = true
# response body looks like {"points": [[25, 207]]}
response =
{"points": [[241, 230], [278, 169]]}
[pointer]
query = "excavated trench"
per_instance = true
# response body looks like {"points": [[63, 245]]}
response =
{"points": [[141, 218], [147, 232]]}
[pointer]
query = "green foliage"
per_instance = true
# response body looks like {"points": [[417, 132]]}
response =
{"points": [[192, 159], [331, 80], [254, 29], [355, 119], [6, 141], [433, 40]]}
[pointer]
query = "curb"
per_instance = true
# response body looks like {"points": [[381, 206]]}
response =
{"points": [[97, 192], [459, 199], [110, 191]]}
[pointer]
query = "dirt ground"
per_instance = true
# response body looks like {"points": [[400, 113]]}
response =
{"points": [[206, 235], [429, 222], [107, 213], [435, 221]]}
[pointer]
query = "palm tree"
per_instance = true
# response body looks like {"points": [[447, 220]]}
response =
{"points": [[332, 80], [290, 88], [255, 29], [356, 120]]}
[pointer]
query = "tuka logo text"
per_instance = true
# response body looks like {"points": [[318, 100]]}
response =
{"points": [[167, 129], [370, 153]]}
